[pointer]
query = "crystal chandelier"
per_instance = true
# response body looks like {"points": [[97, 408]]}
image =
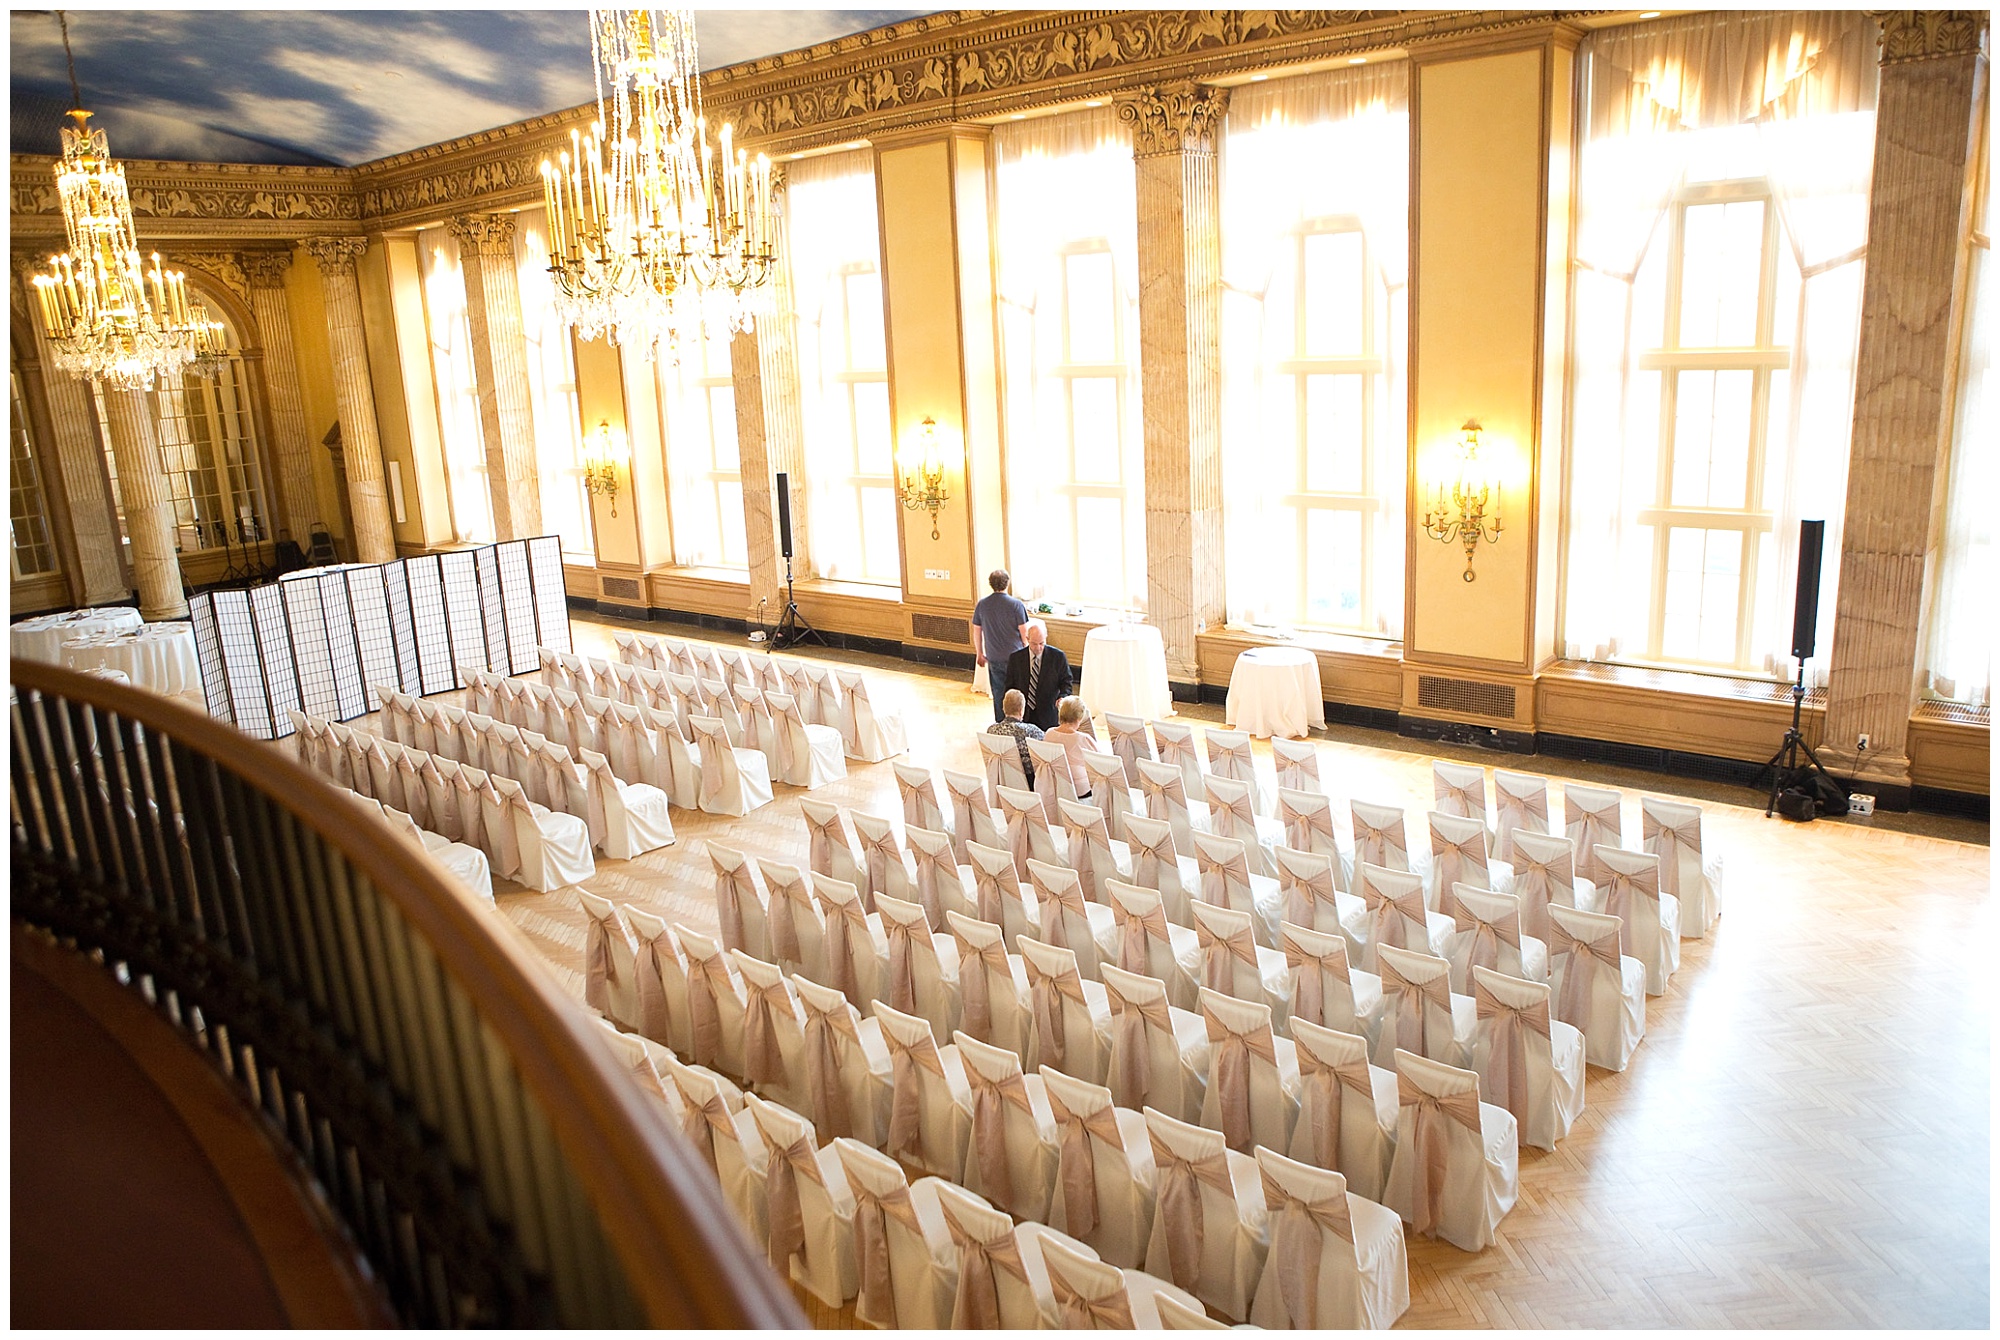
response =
{"points": [[108, 318], [649, 234]]}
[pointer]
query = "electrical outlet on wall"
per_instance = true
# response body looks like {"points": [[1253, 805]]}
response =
{"points": [[937, 574], [1864, 741]]}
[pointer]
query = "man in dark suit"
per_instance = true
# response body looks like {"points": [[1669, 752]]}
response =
{"points": [[1041, 673]]}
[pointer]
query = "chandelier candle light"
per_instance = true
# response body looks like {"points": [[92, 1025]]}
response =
{"points": [[923, 483], [648, 233], [107, 318], [1461, 515]]}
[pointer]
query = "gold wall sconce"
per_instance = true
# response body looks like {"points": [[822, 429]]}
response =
{"points": [[1457, 509], [922, 487], [603, 452]]}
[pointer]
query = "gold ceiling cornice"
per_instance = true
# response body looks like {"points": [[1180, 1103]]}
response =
{"points": [[968, 65]]}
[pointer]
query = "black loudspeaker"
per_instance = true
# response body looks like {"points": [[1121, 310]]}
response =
{"points": [[785, 522], [1805, 613]]}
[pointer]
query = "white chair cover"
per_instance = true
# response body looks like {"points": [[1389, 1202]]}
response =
{"points": [[1336, 1260], [1029, 835], [810, 1207], [797, 927], [1072, 1017], [1458, 856], [1089, 930], [921, 975], [1233, 963], [994, 1001], [773, 1032], [635, 815], [1223, 864], [1309, 895], [1094, 853], [938, 884], [811, 756], [1591, 818], [1229, 756], [554, 848], [1164, 790], [1157, 864], [466, 864], [1420, 1011], [999, 897], [846, 1064], [1011, 1158], [1460, 789], [1110, 790], [857, 951], [1253, 1075], [1347, 1108], [742, 907], [1230, 814], [1175, 742], [830, 847], [1129, 744], [1672, 832], [1159, 1053], [1455, 1174], [884, 863], [659, 974], [1052, 776], [1594, 986], [716, 1002], [972, 812], [610, 985], [1527, 1062], [1379, 836], [1652, 919], [999, 1279], [1325, 988], [1002, 757], [1147, 943], [1090, 1295], [733, 781], [930, 1104], [920, 802], [1297, 762], [1521, 804], [712, 1116], [1489, 936], [1545, 873], [1104, 1184], [1210, 1229], [1397, 916], [1307, 817], [904, 1248]]}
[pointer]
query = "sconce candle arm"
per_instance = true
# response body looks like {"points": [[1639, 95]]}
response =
{"points": [[1468, 512]]}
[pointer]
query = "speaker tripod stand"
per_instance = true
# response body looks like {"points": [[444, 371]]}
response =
{"points": [[1785, 763], [792, 626]]}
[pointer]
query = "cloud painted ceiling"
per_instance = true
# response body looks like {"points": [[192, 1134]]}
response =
{"points": [[338, 86]]}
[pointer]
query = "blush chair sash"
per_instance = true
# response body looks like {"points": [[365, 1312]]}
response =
{"points": [[600, 970], [876, 1304], [901, 989], [976, 1303], [1330, 1083], [1309, 973], [975, 963], [652, 995], [1078, 1163], [1135, 930], [1574, 1005], [1112, 1312], [1046, 990], [1428, 1131], [1410, 1003], [1216, 952], [905, 1128], [990, 1098], [761, 1062], [787, 1232], [1296, 1229], [706, 977], [824, 1090], [1507, 1064], [1232, 1075], [1129, 1021], [1180, 1184]]}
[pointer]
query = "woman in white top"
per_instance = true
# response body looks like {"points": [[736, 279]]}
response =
{"points": [[1075, 732]]}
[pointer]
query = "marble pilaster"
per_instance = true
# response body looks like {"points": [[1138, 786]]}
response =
{"points": [[1927, 124], [770, 438], [354, 396], [1174, 129], [149, 506], [77, 459], [291, 446], [500, 365]]}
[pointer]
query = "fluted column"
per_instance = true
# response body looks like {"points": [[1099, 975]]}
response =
{"points": [[770, 436], [1180, 317], [78, 460], [354, 396], [500, 364], [1926, 134], [149, 506], [291, 445]]}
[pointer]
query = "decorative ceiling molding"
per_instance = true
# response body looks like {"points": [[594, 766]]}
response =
{"points": [[1927, 34], [965, 66]]}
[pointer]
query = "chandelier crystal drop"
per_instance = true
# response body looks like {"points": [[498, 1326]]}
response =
{"points": [[652, 233], [108, 317]]}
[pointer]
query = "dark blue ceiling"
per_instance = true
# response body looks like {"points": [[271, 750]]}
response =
{"points": [[338, 86]]}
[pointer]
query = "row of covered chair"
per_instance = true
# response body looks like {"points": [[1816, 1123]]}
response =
{"points": [[625, 819], [522, 840], [833, 696], [465, 863], [1045, 1147]]}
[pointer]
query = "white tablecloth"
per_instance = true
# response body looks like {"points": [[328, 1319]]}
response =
{"points": [[1125, 671], [159, 657], [41, 638], [1275, 691]]}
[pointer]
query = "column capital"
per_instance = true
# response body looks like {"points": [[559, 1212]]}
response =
{"points": [[485, 234], [1179, 117], [266, 269], [1928, 34], [336, 255]]}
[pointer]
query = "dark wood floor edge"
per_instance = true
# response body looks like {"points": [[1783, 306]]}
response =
{"points": [[317, 1273]]}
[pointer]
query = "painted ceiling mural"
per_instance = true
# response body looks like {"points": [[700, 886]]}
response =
{"points": [[338, 87]]}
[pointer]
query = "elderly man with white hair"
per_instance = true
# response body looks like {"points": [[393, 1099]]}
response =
{"points": [[1041, 673]]}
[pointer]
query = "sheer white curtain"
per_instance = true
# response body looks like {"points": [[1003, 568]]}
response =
{"points": [[836, 262], [1315, 267], [450, 335], [1748, 140], [704, 485], [1066, 239], [1959, 650], [552, 393]]}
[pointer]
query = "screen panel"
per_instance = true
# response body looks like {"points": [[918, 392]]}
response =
{"points": [[517, 599], [462, 617], [429, 621], [310, 652], [280, 667], [208, 654], [402, 630], [377, 646], [244, 667], [487, 562], [352, 695], [551, 597]]}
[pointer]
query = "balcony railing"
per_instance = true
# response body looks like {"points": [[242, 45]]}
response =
{"points": [[461, 1117]]}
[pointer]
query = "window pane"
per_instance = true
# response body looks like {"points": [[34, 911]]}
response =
{"points": [[872, 452], [1703, 567], [1336, 434], [1100, 551], [34, 547], [1722, 249], [878, 534], [1094, 428], [1712, 439], [864, 322], [1093, 308], [1332, 579], [722, 424], [729, 503], [1333, 294]]}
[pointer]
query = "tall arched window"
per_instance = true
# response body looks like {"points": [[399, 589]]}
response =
{"points": [[33, 547]]}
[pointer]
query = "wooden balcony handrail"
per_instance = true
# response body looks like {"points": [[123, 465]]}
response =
{"points": [[683, 1257]]}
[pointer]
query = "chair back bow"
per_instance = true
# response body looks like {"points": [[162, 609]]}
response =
{"points": [[1109, 1312], [1181, 1180], [1305, 820], [1411, 999], [1232, 1074], [1489, 934], [1138, 930], [1309, 972], [975, 1304], [1507, 1066], [832, 1114], [1573, 1006], [1220, 953], [846, 928], [1326, 1084], [1132, 1061], [977, 965], [906, 1109], [901, 988], [600, 969], [876, 1304], [1046, 990], [651, 991], [787, 1164], [1380, 844], [708, 979], [1297, 1230], [1078, 1163], [732, 886], [1432, 1152], [701, 1120], [991, 1096], [762, 1063]]}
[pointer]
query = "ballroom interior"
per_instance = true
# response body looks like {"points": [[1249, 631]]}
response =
{"points": [[1483, 368]]}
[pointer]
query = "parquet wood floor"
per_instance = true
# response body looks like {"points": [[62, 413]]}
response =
{"points": [[1801, 1141]]}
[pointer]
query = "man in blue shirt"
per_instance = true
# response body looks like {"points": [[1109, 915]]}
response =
{"points": [[997, 621]]}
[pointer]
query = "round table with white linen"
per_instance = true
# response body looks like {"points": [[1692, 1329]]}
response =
{"points": [[159, 656], [1125, 671], [1275, 691], [41, 638]]}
